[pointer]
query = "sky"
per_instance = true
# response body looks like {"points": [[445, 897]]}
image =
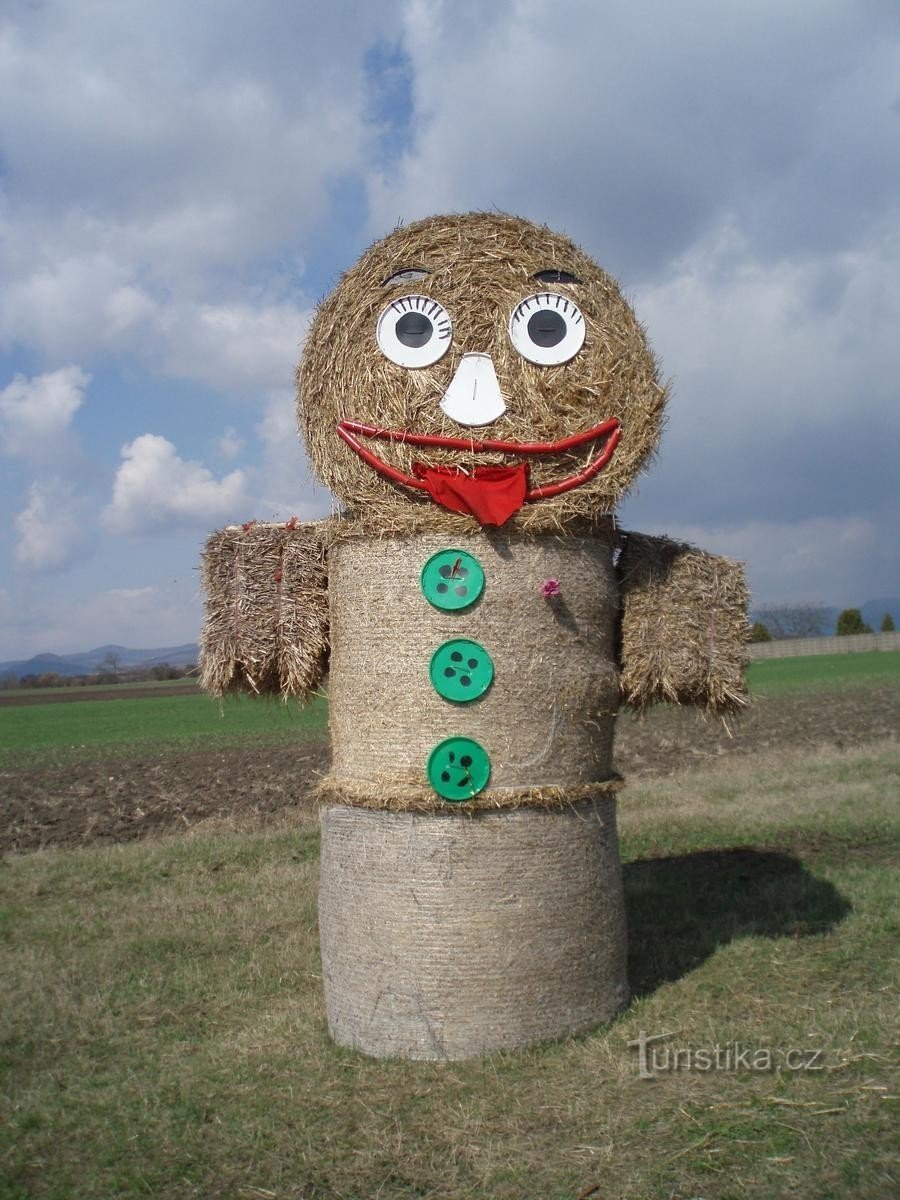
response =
{"points": [[180, 184]]}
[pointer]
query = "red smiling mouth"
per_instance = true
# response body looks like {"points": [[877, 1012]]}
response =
{"points": [[490, 493], [609, 430]]}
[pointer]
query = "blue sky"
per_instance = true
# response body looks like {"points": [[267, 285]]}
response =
{"points": [[180, 184]]}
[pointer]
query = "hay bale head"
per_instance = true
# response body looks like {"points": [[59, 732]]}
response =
{"points": [[498, 300]]}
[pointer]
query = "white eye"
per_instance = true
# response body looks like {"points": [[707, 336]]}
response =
{"points": [[414, 331], [547, 329]]}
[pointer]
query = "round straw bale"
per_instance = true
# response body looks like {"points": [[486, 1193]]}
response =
{"points": [[479, 267], [547, 719], [445, 939]]}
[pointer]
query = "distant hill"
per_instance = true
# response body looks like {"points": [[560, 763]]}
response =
{"points": [[872, 613], [89, 661]]}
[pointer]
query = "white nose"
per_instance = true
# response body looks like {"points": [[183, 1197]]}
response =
{"points": [[473, 397]]}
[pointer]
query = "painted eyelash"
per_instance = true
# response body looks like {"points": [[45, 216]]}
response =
{"points": [[546, 299]]}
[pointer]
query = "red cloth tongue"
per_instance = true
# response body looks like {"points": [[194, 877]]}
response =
{"points": [[490, 494]]}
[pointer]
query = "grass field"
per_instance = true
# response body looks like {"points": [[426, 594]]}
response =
{"points": [[86, 691], [130, 723], [191, 717], [824, 672], [162, 1030]]}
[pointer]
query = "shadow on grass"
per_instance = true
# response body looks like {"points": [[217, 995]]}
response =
{"points": [[681, 909]]}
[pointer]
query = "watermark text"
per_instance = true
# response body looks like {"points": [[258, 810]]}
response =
{"points": [[657, 1056]]}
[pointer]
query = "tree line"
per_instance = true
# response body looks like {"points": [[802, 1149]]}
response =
{"points": [[783, 621], [107, 674]]}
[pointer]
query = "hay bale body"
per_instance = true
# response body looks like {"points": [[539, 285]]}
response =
{"points": [[445, 938], [547, 720], [448, 931], [265, 626], [684, 625]]}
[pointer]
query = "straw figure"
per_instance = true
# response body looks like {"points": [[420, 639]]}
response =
{"points": [[478, 395]]}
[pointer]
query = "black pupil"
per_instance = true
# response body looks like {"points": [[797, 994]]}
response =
{"points": [[414, 329], [546, 328]]}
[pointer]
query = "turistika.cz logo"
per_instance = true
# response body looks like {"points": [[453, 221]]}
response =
{"points": [[656, 1058]]}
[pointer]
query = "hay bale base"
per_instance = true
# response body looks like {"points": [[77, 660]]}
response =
{"points": [[447, 939]]}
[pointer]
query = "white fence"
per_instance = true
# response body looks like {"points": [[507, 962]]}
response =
{"points": [[797, 647]]}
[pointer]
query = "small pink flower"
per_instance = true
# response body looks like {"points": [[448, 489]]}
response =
{"points": [[550, 587]]}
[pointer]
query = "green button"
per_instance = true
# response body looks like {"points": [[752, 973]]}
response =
{"points": [[461, 670], [458, 769], [452, 579]]}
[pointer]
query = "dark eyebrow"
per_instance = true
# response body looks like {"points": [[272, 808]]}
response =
{"points": [[405, 275], [554, 276]]}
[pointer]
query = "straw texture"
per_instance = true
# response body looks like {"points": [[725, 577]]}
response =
{"points": [[266, 612], [449, 931], [684, 625], [547, 720], [407, 797], [445, 938], [480, 266]]}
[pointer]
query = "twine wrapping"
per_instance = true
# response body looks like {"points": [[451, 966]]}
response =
{"points": [[444, 939]]}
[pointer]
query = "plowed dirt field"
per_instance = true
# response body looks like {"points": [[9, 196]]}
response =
{"points": [[71, 800]]}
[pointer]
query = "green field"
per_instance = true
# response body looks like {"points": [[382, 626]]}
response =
{"points": [[177, 719], [824, 672], [190, 718]]}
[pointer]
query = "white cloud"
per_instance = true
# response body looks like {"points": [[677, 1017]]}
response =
{"points": [[35, 413], [90, 303], [790, 340], [67, 302], [229, 444], [287, 487], [159, 163], [784, 396], [635, 126], [242, 347], [840, 561], [52, 530], [155, 489], [140, 617]]}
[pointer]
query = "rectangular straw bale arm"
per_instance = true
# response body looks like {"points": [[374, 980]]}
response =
{"points": [[683, 625], [266, 611]]}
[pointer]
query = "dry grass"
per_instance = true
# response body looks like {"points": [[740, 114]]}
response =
{"points": [[163, 1032], [265, 627], [480, 266], [684, 626]]}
